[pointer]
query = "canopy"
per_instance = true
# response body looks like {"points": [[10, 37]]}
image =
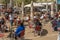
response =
{"points": [[38, 4], [34, 4]]}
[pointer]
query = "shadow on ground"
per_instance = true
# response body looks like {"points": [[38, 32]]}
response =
{"points": [[44, 32]]}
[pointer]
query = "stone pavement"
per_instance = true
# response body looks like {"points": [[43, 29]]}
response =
{"points": [[47, 34]]}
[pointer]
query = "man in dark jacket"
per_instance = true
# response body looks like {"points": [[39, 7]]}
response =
{"points": [[38, 26]]}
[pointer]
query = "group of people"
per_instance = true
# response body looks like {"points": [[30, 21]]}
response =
{"points": [[20, 31], [15, 20], [56, 21], [3, 26]]}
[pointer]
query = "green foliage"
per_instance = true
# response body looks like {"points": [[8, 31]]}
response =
{"points": [[18, 1], [5, 1], [29, 1], [25, 1]]}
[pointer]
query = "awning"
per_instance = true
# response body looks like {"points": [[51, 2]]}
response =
{"points": [[38, 4]]}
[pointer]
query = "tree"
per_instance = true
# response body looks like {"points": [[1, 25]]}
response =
{"points": [[29, 1], [19, 2], [5, 1]]}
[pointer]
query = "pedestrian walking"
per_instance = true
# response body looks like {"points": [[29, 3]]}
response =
{"points": [[38, 26], [54, 25], [11, 19]]}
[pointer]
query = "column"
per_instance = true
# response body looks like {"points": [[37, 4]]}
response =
{"points": [[56, 6], [52, 12], [22, 9], [11, 3], [47, 7], [31, 10]]}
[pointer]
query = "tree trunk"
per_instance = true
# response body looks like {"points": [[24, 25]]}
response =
{"points": [[52, 12], [11, 3], [22, 9], [47, 7], [56, 7], [31, 10]]}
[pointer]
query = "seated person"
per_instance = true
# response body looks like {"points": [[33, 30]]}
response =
{"points": [[19, 29], [4, 28]]}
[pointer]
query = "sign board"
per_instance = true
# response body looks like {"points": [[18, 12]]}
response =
{"points": [[58, 1]]}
